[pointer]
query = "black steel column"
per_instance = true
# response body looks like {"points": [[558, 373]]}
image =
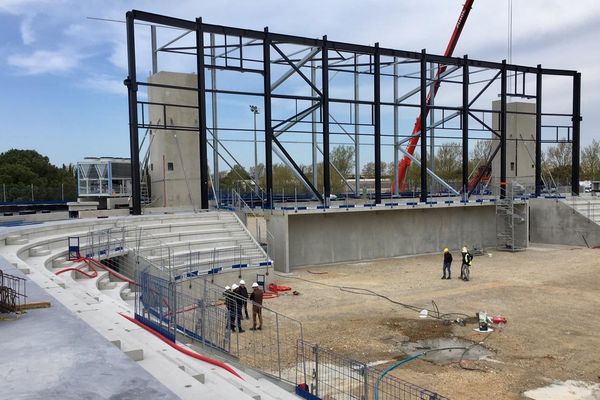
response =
{"points": [[465, 128], [503, 131], [325, 120], [538, 131], [377, 122], [576, 133], [268, 123], [202, 115], [423, 117], [134, 146]]}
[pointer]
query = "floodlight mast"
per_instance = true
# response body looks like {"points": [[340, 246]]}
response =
{"points": [[254, 110], [416, 133]]}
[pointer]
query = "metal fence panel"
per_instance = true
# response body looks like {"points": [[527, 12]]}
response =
{"points": [[156, 304], [327, 375]]}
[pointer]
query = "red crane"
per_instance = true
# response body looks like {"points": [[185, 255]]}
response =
{"points": [[412, 144]]}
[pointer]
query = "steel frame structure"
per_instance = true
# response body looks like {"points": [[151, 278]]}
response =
{"points": [[326, 56]]}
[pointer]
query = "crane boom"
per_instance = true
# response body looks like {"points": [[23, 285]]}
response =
{"points": [[412, 144]]}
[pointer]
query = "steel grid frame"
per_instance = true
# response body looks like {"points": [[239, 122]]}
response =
{"points": [[327, 55]]}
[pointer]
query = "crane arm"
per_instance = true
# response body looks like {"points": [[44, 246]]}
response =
{"points": [[412, 144]]}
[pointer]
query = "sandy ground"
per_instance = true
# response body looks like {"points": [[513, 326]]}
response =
{"points": [[550, 295]]}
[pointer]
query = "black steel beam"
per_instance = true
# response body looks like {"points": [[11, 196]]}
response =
{"points": [[465, 127], [325, 119], [377, 122], [423, 117], [298, 169], [538, 132], [134, 149], [576, 133], [503, 131], [485, 88], [202, 115], [268, 122], [333, 45], [298, 70], [486, 126]]}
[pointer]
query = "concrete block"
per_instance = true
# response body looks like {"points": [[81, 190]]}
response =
{"points": [[117, 343], [136, 354], [15, 240], [25, 270], [200, 378], [39, 251]]}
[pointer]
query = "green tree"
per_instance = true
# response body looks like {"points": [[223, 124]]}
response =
{"points": [[237, 178], [368, 170], [590, 161], [19, 169], [480, 154], [448, 164], [557, 160]]}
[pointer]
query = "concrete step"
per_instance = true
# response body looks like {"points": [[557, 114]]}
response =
{"points": [[14, 240], [39, 251]]}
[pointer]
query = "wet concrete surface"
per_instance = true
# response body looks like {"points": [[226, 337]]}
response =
{"points": [[446, 350]]}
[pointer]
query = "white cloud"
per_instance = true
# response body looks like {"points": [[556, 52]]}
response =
{"points": [[43, 61], [105, 84], [27, 32]]}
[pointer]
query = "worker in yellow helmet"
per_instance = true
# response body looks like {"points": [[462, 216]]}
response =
{"points": [[447, 263]]}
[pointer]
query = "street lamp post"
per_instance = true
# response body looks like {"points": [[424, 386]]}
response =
{"points": [[254, 110]]}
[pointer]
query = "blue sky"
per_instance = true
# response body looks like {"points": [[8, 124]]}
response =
{"points": [[61, 73]]}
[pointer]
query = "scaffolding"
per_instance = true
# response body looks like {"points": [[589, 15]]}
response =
{"points": [[511, 219]]}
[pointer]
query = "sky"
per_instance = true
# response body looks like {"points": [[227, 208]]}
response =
{"points": [[61, 72]]}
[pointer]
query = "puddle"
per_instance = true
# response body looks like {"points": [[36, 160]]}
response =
{"points": [[456, 349], [568, 390]]}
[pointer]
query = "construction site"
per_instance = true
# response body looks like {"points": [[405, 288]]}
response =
{"points": [[227, 262]]}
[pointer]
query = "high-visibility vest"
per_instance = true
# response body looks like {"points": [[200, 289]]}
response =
{"points": [[467, 257]]}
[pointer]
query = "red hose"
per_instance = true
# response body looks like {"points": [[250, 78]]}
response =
{"points": [[270, 295], [111, 272], [92, 275], [182, 349]]}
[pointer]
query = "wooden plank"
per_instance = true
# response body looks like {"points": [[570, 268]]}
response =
{"points": [[32, 306]]}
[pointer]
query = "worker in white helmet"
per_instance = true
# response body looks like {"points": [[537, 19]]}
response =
{"points": [[238, 306], [257, 298], [231, 308], [467, 258], [244, 293]]}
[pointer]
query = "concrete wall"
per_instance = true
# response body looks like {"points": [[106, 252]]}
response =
{"points": [[170, 188], [554, 222], [338, 236], [520, 143]]}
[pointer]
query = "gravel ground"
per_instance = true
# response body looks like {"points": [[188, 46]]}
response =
{"points": [[550, 295]]}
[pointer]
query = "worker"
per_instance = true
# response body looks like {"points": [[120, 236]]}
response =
{"points": [[257, 298], [447, 264], [230, 305], [465, 268], [244, 293], [238, 306]]}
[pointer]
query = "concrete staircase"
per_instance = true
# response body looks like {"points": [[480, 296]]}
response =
{"points": [[97, 300], [208, 240], [586, 205]]}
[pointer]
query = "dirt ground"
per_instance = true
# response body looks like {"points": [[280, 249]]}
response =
{"points": [[549, 294]]}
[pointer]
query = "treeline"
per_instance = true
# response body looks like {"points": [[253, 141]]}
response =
{"points": [[556, 166], [20, 170]]}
